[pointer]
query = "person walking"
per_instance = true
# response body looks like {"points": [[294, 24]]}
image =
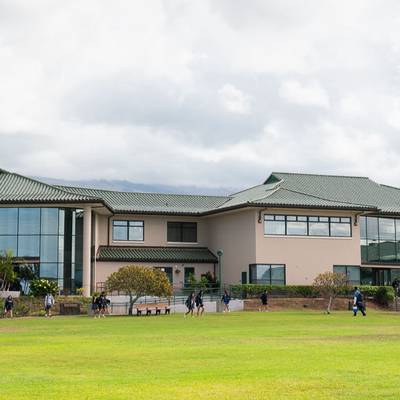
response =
{"points": [[358, 302], [48, 304], [396, 285], [189, 304], [264, 301], [95, 305], [199, 303], [102, 302], [226, 299], [8, 307]]}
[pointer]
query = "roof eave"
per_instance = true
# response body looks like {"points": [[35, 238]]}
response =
{"points": [[319, 207], [177, 260]]}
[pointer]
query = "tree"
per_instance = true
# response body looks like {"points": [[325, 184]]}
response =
{"points": [[26, 273], [7, 274], [329, 285], [41, 287], [137, 281]]}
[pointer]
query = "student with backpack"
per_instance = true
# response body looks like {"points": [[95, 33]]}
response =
{"points": [[199, 303], [95, 306], [264, 301], [226, 299], [189, 304], [358, 302], [8, 307], [48, 304], [102, 303]]}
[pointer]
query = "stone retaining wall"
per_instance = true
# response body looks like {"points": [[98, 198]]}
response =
{"points": [[302, 303]]}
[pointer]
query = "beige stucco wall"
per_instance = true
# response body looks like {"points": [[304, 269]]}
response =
{"points": [[234, 233], [155, 230], [306, 257], [104, 269], [241, 237]]}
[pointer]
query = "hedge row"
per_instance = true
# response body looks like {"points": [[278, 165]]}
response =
{"points": [[252, 290]]}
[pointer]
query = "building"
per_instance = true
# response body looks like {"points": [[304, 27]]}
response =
{"points": [[285, 231]]}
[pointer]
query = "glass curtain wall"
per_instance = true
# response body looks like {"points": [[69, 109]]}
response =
{"points": [[46, 237], [380, 240]]}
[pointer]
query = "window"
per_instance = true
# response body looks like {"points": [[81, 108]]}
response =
{"points": [[351, 271], [189, 271], [267, 274], [296, 225], [274, 225], [168, 272], [8, 221], [318, 226], [29, 221], [128, 230], [340, 227], [182, 232]]}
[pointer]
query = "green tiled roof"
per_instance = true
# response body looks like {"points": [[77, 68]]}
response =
{"points": [[346, 189], [156, 254], [15, 188], [131, 202], [279, 190]]}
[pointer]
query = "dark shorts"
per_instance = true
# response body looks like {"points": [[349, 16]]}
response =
{"points": [[264, 302], [48, 307], [8, 308], [95, 307], [199, 305]]}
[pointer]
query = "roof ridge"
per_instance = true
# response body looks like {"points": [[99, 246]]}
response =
{"points": [[274, 190], [245, 190], [323, 198], [323, 175], [154, 193]]}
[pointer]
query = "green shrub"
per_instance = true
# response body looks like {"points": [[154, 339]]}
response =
{"points": [[41, 287], [384, 295], [253, 290]]}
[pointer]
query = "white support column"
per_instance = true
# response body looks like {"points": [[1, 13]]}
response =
{"points": [[87, 243]]}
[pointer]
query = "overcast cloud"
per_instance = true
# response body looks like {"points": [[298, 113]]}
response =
{"points": [[207, 93]]}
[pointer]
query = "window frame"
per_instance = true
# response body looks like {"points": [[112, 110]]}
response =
{"points": [[270, 273], [346, 267], [127, 226]]}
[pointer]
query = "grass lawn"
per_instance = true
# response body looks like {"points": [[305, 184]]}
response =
{"points": [[285, 355]]}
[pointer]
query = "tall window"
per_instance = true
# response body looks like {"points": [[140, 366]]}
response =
{"points": [[128, 230], [185, 232], [267, 274], [300, 225], [380, 239]]}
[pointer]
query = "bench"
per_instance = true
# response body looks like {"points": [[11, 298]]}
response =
{"points": [[148, 308]]}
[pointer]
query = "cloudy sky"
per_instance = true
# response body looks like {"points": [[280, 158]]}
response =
{"points": [[211, 93]]}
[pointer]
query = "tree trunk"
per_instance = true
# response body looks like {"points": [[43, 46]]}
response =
{"points": [[328, 310], [130, 304]]}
